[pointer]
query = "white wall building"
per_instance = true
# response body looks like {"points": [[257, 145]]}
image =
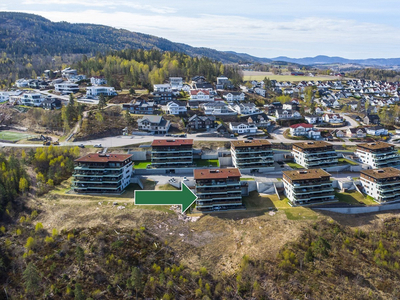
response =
{"points": [[96, 80], [318, 154], [66, 87], [100, 90], [242, 128], [200, 95], [166, 87], [31, 99], [175, 108], [378, 154], [381, 184]]}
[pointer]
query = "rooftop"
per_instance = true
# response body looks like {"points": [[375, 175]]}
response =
{"points": [[375, 145], [172, 142], [103, 158], [381, 173], [312, 145], [302, 125], [306, 174], [239, 144], [216, 173]]}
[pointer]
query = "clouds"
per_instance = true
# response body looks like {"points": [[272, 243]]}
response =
{"points": [[264, 29]]}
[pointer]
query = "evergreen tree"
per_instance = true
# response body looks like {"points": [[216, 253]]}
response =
{"points": [[102, 102], [135, 281], [31, 278], [79, 295]]}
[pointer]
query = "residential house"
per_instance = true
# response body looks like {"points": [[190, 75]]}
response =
{"points": [[51, 103], [246, 108], [22, 83], [332, 118], [307, 186], [313, 119], [200, 95], [31, 99], [378, 154], [66, 87], [371, 120], [163, 97], [382, 184], [172, 153], [223, 83], [242, 127], [140, 106], [260, 91], [175, 108], [260, 119], [300, 129], [154, 124], [233, 96], [218, 189], [290, 105], [316, 154], [101, 173], [196, 122], [285, 114], [67, 72], [176, 83], [356, 133], [339, 133], [162, 87], [98, 80], [377, 130], [95, 91], [217, 109], [203, 86]]}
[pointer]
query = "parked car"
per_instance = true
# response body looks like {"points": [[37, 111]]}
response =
{"points": [[168, 134], [250, 138], [81, 146], [182, 135], [97, 146]]}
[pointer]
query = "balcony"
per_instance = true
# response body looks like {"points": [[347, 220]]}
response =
{"points": [[315, 196], [377, 159], [216, 203], [306, 158], [253, 151], [222, 196], [310, 183], [312, 191]]}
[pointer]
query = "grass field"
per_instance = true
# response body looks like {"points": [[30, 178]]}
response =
{"points": [[13, 136], [348, 161], [294, 165], [253, 75], [354, 198], [207, 162], [142, 164]]}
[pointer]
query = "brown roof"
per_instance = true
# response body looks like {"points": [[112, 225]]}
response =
{"points": [[311, 145], [172, 142], [238, 144], [306, 174], [216, 173], [97, 157], [375, 145], [381, 173]]}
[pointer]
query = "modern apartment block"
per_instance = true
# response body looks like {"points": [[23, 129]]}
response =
{"points": [[255, 155], [381, 184], [307, 186], [98, 173], [171, 154], [378, 154], [218, 189], [316, 154]]}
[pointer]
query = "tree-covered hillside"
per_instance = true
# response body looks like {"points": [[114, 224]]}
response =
{"points": [[27, 34]]}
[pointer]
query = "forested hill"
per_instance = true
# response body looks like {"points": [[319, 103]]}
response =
{"points": [[22, 34]]}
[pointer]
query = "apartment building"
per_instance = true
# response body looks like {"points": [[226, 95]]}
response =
{"points": [[98, 173], [171, 154], [94, 91], [255, 155], [381, 184], [378, 154], [66, 87], [307, 186], [32, 99], [218, 189], [318, 154]]}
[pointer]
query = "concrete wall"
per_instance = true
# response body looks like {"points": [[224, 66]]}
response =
{"points": [[225, 162], [279, 156], [209, 155], [261, 170], [252, 186], [138, 155], [137, 180], [147, 172], [363, 210], [266, 187]]}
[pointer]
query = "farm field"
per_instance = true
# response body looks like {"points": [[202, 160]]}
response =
{"points": [[13, 136], [255, 75]]}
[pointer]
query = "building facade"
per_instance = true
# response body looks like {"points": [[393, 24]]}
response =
{"points": [[171, 154], [307, 186], [154, 124], [378, 154], [95, 91], [66, 87], [381, 184], [255, 155], [318, 154], [98, 173], [218, 189]]}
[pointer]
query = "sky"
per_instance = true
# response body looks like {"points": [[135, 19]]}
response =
{"points": [[263, 28]]}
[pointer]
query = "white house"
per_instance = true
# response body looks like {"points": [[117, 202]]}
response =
{"points": [[96, 80], [246, 108], [300, 129], [21, 83], [66, 87], [240, 128], [34, 99], [175, 108], [5, 96], [260, 91], [217, 109], [95, 91], [377, 130], [176, 83], [313, 119], [162, 87], [287, 114], [233, 96], [332, 118], [200, 95]]}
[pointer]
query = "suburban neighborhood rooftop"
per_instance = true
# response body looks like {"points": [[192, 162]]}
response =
{"points": [[381, 173], [102, 158], [306, 174], [375, 145], [172, 142], [238, 144], [311, 145], [216, 173]]}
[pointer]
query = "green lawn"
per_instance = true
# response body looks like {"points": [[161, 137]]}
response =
{"points": [[247, 179], [13, 136], [348, 161], [294, 165], [141, 164], [206, 162], [355, 198]]}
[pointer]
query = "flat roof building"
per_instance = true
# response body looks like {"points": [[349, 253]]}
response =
{"points": [[172, 153], [378, 154], [381, 184], [318, 154], [255, 155]]}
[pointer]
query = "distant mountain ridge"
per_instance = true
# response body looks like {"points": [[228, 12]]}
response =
{"points": [[22, 33]]}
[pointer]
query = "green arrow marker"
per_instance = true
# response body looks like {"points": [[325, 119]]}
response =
{"points": [[184, 197]]}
